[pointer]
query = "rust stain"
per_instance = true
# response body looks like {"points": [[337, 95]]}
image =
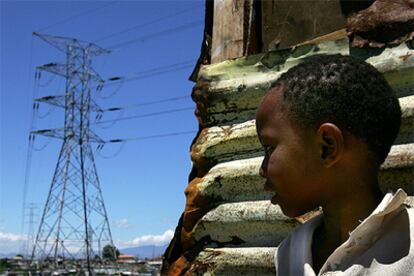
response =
{"points": [[182, 266], [198, 266], [200, 96], [178, 268], [197, 205], [202, 164], [383, 23], [227, 131], [405, 57]]}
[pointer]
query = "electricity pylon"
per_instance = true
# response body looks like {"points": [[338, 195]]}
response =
{"points": [[74, 224], [30, 220]]}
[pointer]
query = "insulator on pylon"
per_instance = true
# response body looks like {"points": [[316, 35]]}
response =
{"points": [[114, 78], [114, 109]]}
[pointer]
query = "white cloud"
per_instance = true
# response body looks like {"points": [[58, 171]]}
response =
{"points": [[122, 223], [149, 240], [11, 243]]}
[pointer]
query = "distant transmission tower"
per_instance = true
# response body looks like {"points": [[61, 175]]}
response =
{"points": [[31, 217], [74, 224]]}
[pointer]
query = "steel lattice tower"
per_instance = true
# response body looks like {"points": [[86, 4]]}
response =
{"points": [[74, 224]]}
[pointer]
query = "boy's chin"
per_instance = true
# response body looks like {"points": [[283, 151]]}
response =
{"points": [[286, 209], [295, 212]]}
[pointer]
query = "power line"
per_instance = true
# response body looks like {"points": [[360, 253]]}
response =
{"points": [[147, 23], [151, 72], [77, 15], [117, 152], [157, 34], [30, 144], [145, 104], [138, 138], [151, 136], [144, 115]]}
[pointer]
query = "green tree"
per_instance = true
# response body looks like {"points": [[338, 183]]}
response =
{"points": [[110, 252], [4, 265]]}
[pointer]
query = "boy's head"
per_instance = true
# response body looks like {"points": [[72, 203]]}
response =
{"points": [[316, 110]]}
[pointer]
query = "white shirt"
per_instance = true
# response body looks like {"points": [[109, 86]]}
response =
{"points": [[383, 244]]}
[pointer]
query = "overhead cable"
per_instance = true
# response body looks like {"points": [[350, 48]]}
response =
{"points": [[144, 115], [49, 81], [44, 145], [77, 15], [149, 73], [151, 136], [138, 138], [30, 145], [100, 87], [116, 153], [147, 23], [145, 104], [110, 124], [169, 31]]}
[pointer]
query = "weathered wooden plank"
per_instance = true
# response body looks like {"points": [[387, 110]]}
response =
{"points": [[227, 40], [287, 23]]}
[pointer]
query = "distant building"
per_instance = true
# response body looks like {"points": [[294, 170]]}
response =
{"points": [[126, 259]]}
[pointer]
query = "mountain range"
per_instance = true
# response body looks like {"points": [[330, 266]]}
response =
{"points": [[142, 252]]}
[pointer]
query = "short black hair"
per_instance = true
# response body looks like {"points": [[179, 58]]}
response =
{"points": [[346, 91]]}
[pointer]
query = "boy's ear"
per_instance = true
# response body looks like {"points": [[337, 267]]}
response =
{"points": [[331, 142]]}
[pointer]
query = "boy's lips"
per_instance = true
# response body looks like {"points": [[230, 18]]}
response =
{"points": [[271, 188]]}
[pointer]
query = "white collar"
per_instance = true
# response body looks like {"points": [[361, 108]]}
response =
{"points": [[366, 233], [300, 247]]}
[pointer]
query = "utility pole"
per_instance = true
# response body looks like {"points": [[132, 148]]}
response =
{"points": [[74, 224]]}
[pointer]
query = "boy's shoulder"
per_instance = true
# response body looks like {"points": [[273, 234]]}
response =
{"points": [[382, 242]]}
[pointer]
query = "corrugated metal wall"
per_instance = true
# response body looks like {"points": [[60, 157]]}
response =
{"points": [[229, 225]]}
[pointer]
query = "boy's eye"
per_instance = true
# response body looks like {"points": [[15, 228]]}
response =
{"points": [[268, 150]]}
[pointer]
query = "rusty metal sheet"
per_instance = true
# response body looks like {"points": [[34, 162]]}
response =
{"points": [[249, 223], [239, 141], [235, 261], [229, 92]]}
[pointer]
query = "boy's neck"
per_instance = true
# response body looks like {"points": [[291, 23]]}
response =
{"points": [[342, 216]]}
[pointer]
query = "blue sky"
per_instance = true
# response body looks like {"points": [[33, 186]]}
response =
{"points": [[143, 182]]}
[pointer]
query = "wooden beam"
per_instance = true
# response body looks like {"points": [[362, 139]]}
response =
{"points": [[228, 24]]}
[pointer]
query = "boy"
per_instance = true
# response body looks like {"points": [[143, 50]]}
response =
{"points": [[326, 126]]}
